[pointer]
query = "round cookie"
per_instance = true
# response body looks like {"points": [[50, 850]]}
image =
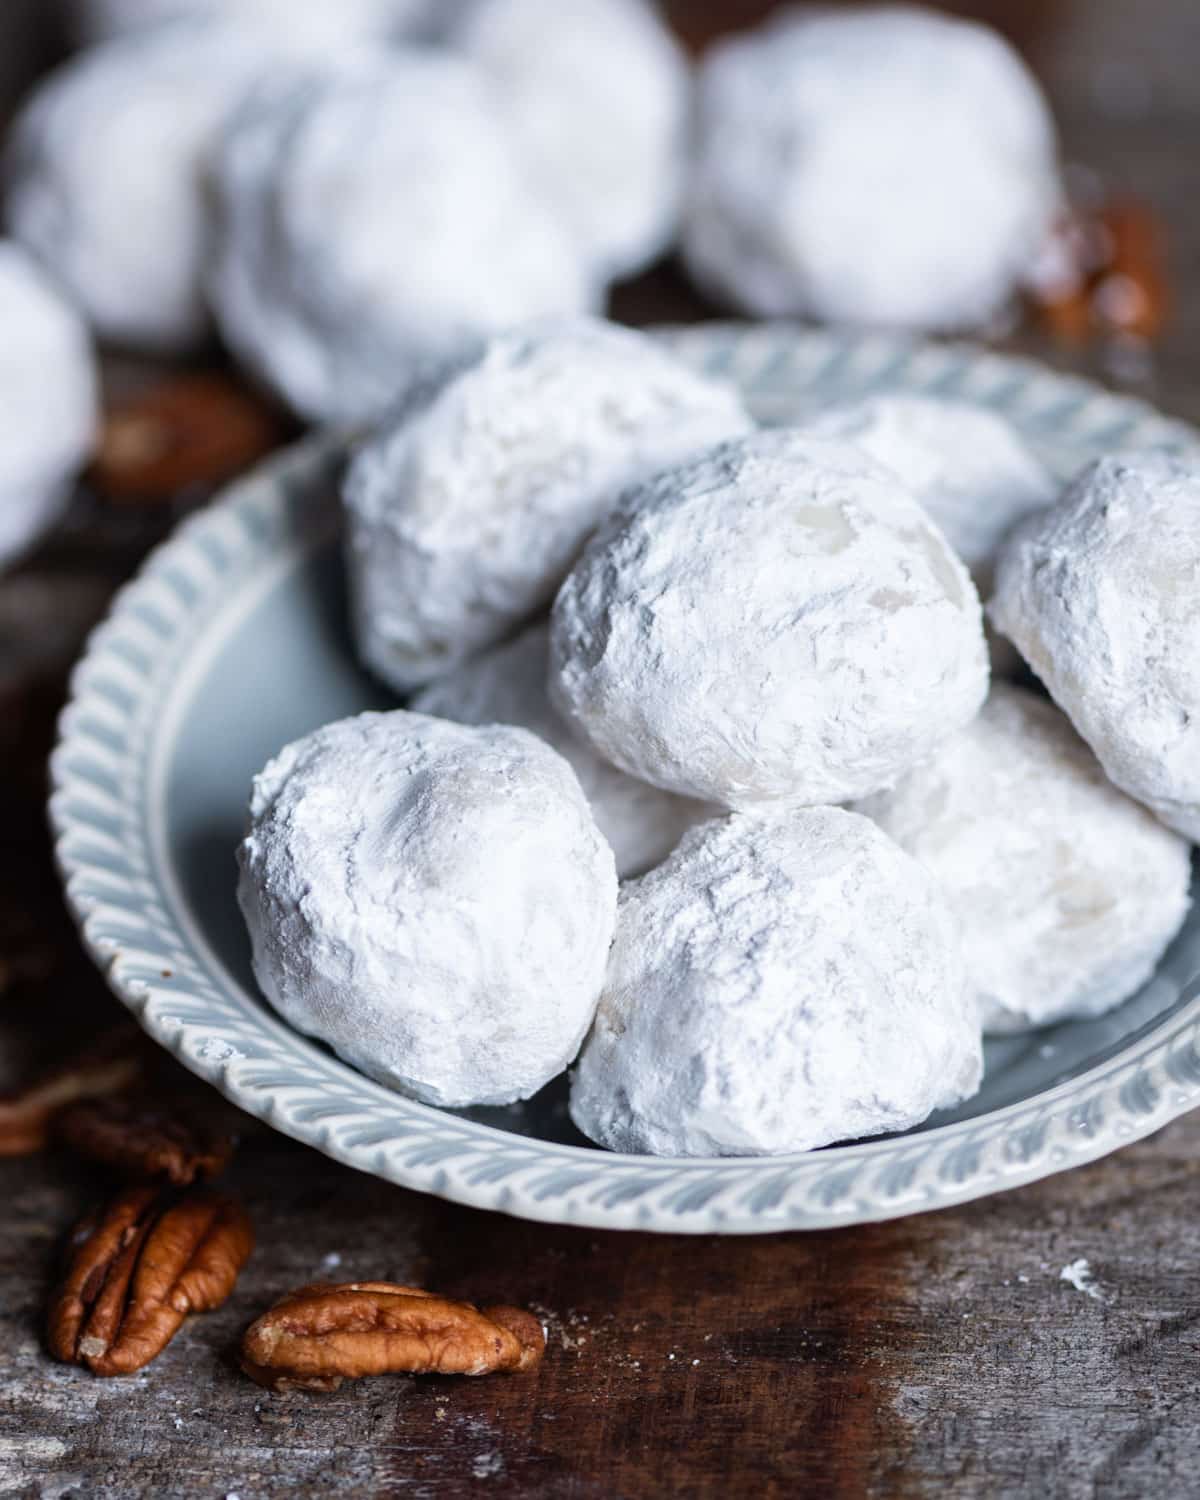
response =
{"points": [[882, 165], [777, 984], [597, 94], [1101, 596], [440, 236], [433, 901], [1065, 891], [968, 466], [48, 398], [507, 685], [467, 509], [105, 177], [327, 21], [777, 620]]}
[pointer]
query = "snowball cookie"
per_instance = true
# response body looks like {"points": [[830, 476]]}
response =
{"points": [[968, 466], [598, 95], [776, 620], [507, 685], [465, 515], [1066, 892], [880, 165], [329, 21], [778, 983], [433, 901], [1101, 596], [105, 180], [439, 236], [47, 400]]}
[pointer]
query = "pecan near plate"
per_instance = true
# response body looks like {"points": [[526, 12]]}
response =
{"points": [[107, 1067], [193, 430], [140, 1136], [320, 1335], [138, 1268]]}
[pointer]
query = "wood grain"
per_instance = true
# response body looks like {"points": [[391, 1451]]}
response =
{"points": [[939, 1356]]}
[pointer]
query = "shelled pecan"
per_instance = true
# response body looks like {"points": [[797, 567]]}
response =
{"points": [[141, 1136], [1115, 283], [320, 1335], [138, 1268], [195, 430], [106, 1068]]}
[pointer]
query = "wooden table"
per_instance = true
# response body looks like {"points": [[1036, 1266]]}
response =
{"points": [[942, 1355]]}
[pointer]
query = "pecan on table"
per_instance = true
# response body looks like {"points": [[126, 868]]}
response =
{"points": [[106, 1068], [141, 1136], [190, 432], [320, 1335], [138, 1268]]}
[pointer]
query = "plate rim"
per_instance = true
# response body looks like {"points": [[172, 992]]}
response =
{"points": [[100, 774]]}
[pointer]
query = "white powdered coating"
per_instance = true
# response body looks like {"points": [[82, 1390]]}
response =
{"points": [[105, 177], [329, 22], [968, 466], [433, 901], [466, 511], [777, 984], [47, 400], [1101, 596], [597, 94], [1066, 891], [883, 166], [439, 235], [507, 685], [776, 621]]}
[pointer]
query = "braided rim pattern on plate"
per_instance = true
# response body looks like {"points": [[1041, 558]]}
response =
{"points": [[107, 782]]}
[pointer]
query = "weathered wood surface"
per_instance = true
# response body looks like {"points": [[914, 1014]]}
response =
{"points": [[939, 1356]]}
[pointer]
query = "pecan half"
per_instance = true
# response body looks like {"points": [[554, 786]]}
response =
{"points": [[320, 1335], [141, 1137], [195, 430], [138, 1268], [110, 1065], [1118, 285]]}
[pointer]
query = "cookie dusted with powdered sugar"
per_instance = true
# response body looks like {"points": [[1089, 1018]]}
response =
{"points": [[1066, 891], [507, 685], [597, 94], [880, 165], [1101, 596], [777, 620], [968, 466], [440, 234], [434, 901], [48, 399], [105, 176], [327, 21], [466, 511], [777, 984]]}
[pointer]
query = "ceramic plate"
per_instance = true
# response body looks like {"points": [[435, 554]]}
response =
{"points": [[233, 641]]}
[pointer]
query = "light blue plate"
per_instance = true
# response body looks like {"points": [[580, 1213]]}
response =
{"points": [[233, 641]]}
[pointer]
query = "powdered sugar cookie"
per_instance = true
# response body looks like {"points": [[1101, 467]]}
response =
{"points": [[778, 983], [328, 21], [777, 620], [877, 165], [597, 94], [105, 183], [440, 235], [1066, 891], [967, 466], [433, 901], [467, 509], [47, 396], [1101, 595]]}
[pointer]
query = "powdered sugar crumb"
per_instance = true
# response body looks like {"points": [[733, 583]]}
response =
{"points": [[1079, 1274]]}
